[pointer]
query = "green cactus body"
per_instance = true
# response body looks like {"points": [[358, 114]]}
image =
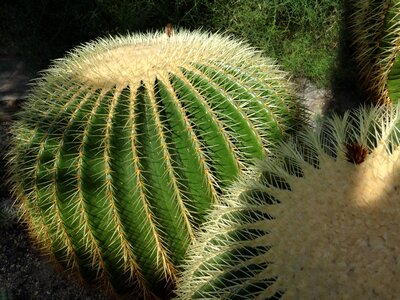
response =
{"points": [[316, 220], [376, 26], [125, 144], [5, 295]]}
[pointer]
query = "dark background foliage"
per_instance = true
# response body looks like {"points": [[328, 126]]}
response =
{"points": [[42, 30], [301, 34]]}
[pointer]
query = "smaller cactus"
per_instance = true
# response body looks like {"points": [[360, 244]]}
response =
{"points": [[317, 220], [375, 27]]}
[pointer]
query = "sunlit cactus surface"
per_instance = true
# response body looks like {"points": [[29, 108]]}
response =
{"points": [[316, 220], [126, 142]]}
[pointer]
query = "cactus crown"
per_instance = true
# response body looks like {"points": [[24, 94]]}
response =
{"points": [[317, 220], [376, 26], [127, 141], [130, 60]]}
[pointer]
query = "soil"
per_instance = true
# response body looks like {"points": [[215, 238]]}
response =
{"points": [[24, 272]]}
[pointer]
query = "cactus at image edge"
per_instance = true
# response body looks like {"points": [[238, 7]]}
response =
{"points": [[319, 219], [376, 33], [5, 295], [126, 142]]}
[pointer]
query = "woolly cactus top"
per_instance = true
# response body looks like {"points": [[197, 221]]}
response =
{"points": [[336, 231], [132, 59], [319, 220]]}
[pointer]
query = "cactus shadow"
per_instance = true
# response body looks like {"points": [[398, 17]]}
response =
{"points": [[345, 85]]}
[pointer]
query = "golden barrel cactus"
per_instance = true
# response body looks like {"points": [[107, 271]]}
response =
{"points": [[124, 145], [319, 219]]}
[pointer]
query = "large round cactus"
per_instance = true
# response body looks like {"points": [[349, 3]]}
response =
{"points": [[126, 142], [375, 27], [317, 220]]}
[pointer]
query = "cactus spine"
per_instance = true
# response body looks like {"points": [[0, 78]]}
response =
{"points": [[376, 30], [126, 142], [317, 220]]}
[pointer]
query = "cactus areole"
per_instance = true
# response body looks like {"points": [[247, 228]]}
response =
{"points": [[126, 142]]}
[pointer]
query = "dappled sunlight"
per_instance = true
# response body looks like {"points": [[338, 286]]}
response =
{"points": [[340, 228], [372, 186]]}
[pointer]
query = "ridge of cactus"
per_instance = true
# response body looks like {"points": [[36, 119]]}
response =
{"points": [[376, 27], [318, 219], [126, 142]]}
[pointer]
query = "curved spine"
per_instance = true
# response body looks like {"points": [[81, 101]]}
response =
{"points": [[318, 219]]}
